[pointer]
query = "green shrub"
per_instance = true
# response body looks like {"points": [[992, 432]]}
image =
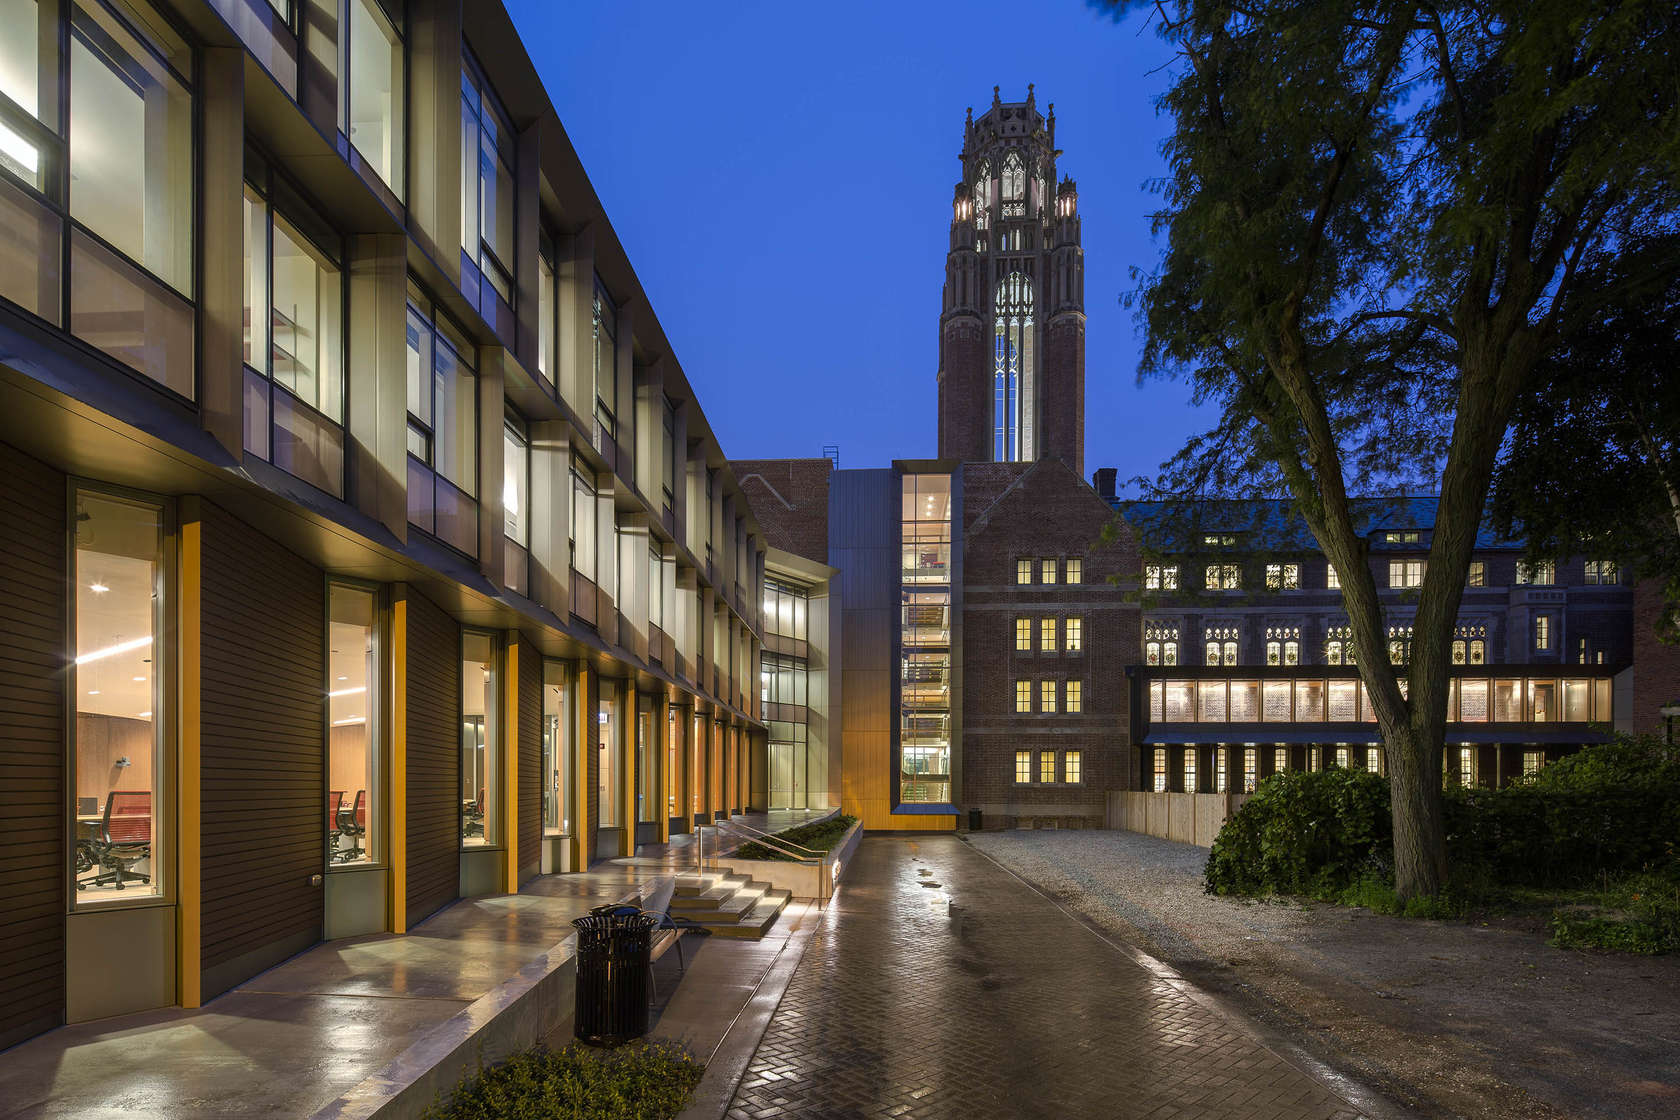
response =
{"points": [[1315, 833], [823, 836], [641, 1081], [1635, 914]]}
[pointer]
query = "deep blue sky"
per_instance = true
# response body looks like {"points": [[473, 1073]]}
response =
{"points": [[781, 177]]}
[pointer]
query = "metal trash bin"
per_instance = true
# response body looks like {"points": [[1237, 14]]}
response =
{"points": [[614, 974]]}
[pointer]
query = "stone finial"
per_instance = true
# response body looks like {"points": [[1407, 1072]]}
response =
{"points": [[996, 100], [1029, 95]]}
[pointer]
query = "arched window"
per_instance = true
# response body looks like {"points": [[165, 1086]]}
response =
{"points": [[1012, 365], [983, 195], [1014, 178]]}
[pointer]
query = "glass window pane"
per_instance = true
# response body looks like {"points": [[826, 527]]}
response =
{"points": [[130, 316], [30, 236], [376, 92], [352, 712], [480, 746], [516, 486], [556, 751], [307, 445], [306, 342], [419, 365], [20, 55], [455, 434], [131, 154], [607, 797], [254, 328], [583, 526], [119, 700], [469, 178], [457, 518]]}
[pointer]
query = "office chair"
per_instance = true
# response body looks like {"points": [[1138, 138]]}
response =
{"points": [[124, 840], [335, 806], [352, 823], [475, 817]]}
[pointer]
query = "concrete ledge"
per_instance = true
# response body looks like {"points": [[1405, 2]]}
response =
{"points": [[802, 880], [511, 1016]]}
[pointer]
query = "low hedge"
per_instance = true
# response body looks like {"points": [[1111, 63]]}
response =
{"points": [[1612, 808], [641, 1081], [822, 836]]}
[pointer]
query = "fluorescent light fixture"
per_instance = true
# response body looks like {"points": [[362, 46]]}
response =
{"points": [[347, 691], [20, 150], [112, 651], [144, 715], [93, 692], [348, 722], [98, 588], [139, 679]]}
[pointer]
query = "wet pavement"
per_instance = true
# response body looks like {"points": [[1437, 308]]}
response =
{"points": [[939, 985]]}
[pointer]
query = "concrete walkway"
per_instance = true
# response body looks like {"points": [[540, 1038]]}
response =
{"points": [[292, 1041], [939, 985]]}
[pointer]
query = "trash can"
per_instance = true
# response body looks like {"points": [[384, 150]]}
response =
{"points": [[614, 974], [974, 820]]}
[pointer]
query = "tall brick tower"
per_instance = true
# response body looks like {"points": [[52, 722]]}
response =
{"points": [[1012, 330]]}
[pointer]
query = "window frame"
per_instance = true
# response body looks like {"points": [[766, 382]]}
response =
{"points": [[1023, 697], [1023, 635], [1023, 767], [1073, 634], [483, 102], [377, 813], [441, 329], [1047, 697], [394, 23], [1073, 697]]}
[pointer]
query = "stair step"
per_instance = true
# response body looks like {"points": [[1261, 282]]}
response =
{"points": [[755, 923]]}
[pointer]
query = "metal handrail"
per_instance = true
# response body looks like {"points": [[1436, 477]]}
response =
{"points": [[784, 847], [771, 836]]}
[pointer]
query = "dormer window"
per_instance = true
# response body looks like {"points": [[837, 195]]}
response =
{"points": [[1406, 536]]}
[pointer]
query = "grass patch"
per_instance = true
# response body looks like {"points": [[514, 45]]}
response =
{"points": [[641, 1081], [823, 836], [1633, 914]]}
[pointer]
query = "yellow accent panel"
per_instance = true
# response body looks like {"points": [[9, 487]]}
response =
{"points": [[188, 932], [662, 736], [398, 797], [877, 816], [580, 761], [510, 764], [632, 724]]}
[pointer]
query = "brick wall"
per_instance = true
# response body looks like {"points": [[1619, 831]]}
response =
{"points": [[965, 366], [1043, 511], [1064, 391], [789, 497], [1656, 664]]}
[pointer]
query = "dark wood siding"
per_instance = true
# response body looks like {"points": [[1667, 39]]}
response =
{"points": [[434, 758], [530, 760], [262, 730], [33, 582]]}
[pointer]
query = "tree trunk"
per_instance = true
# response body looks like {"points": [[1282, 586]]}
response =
{"points": [[1414, 772]]}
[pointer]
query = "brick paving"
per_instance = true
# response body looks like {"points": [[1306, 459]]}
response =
{"points": [[941, 986]]}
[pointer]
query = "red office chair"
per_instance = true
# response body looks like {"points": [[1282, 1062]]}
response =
{"points": [[125, 839]]}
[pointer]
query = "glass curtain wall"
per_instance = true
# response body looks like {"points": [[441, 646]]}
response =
{"points": [[352, 725], [118, 758], [293, 341], [556, 751], [116, 171], [480, 740], [925, 640]]}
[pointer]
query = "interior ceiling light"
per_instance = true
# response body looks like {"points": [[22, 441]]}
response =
{"points": [[112, 651], [98, 588], [144, 715], [352, 719], [93, 692], [139, 679], [347, 691]]}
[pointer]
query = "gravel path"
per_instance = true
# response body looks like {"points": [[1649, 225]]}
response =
{"points": [[1448, 1018]]}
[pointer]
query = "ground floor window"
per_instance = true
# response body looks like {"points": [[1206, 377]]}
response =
{"points": [[647, 763], [673, 761], [1190, 770], [1251, 763], [1280, 760], [1532, 761], [1373, 760], [1023, 766], [556, 751], [1160, 784], [1467, 766], [117, 749], [1220, 773], [1342, 757], [789, 765], [480, 740], [352, 718], [1073, 766], [606, 752]]}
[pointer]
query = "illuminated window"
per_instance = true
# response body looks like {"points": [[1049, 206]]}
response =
{"points": [[1532, 761], [371, 94], [604, 319], [1220, 644], [487, 183], [1283, 645], [480, 740], [1023, 571], [1338, 646], [1342, 757], [1477, 576], [1047, 635], [1467, 766], [1047, 572], [1399, 645], [1407, 536], [1013, 369], [1160, 783], [1075, 696], [1331, 579], [1219, 540], [1283, 577], [1405, 573], [1373, 760], [1023, 696], [1542, 573], [1023, 766], [1542, 632], [1160, 646], [1190, 770], [1075, 570], [442, 428], [1073, 635], [1221, 764], [1280, 760], [1161, 577], [1224, 577], [1602, 572], [352, 713], [1047, 696], [1251, 764], [1023, 635], [1073, 770], [1014, 177], [1046, 766]]}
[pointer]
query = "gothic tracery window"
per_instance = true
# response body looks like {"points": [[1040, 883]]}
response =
{"points": [[1014, 178], [982, 195], [1012, 367]]}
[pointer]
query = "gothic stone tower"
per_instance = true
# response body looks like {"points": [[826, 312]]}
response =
{"points": [[1012, 331]]}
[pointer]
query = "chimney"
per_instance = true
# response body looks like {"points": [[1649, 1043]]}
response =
{"points": [[1103, 480]]}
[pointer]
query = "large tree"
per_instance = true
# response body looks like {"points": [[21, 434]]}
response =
{"points": [[1593, 462], [1375, 217]]}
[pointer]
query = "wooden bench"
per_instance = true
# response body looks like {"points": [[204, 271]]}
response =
{"points": [[669, 933]]}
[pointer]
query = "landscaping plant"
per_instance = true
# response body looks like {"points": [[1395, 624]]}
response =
{"points": [[641, 1081], [822, 836]]}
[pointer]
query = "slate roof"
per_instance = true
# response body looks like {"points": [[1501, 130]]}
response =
{"points": [[1270, 525]]}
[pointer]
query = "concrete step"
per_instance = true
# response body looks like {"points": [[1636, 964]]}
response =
{"points": [[756, 922], [737, 902]]}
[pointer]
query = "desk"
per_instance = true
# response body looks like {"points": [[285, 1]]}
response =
{"points": [[89, 827]]}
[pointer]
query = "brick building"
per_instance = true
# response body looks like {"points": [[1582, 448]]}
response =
{"points": [[1655, 704]]}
